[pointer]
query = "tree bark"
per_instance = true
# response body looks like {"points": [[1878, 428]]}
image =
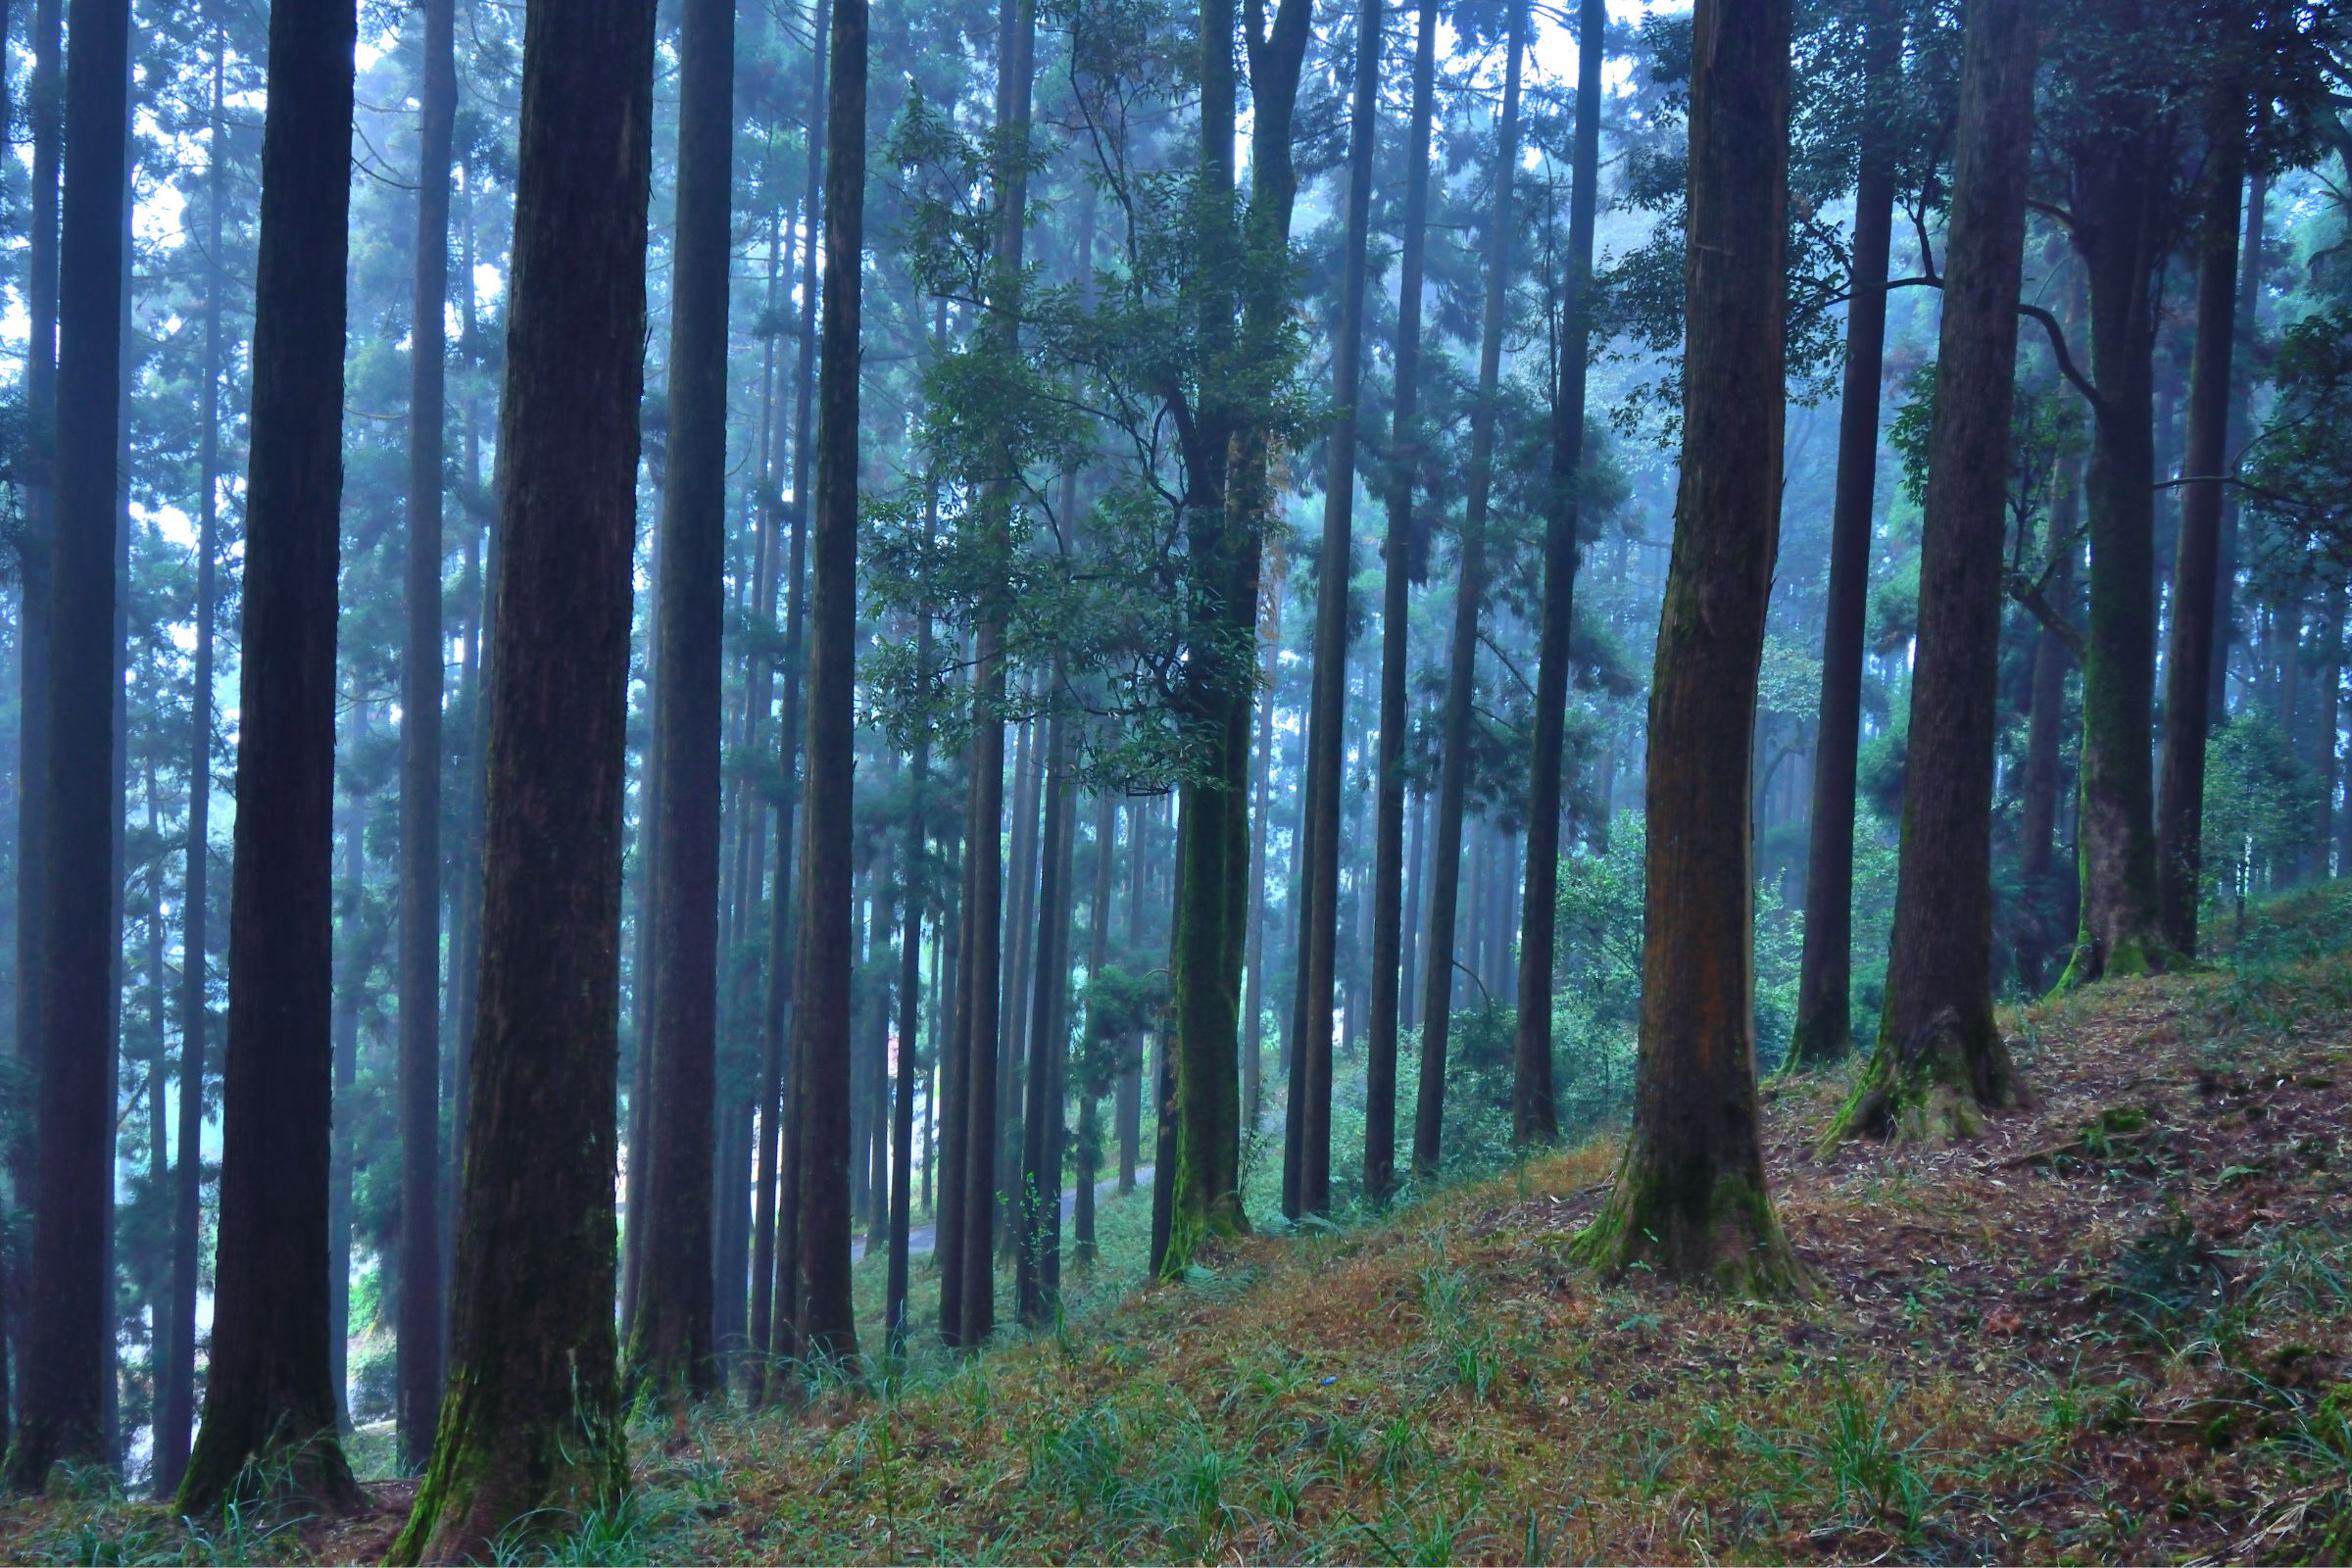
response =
{"points": [[1940, 1062], [1534, 1115], [419, 1071], [1446, 882], [2224, 586], [1689, 1200], [530, 1428], [821, 1041], [1824, 1029], [670, 1349], [1319, 912], [2193, 634], [268, 1393]]}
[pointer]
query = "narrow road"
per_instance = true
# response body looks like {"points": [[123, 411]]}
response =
{"points": [[923, 1237]]}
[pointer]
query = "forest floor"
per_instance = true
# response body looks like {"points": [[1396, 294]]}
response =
{"points": [[2118, 1327]]}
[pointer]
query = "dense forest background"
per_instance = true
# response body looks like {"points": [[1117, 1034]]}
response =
{"points": [[1217, 748]]}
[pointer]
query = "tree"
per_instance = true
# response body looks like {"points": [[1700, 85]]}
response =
{"points": [[911, 886], [1388, 959], [176, 1420], [1039, 1209], [672, 1349], [420, 1373], [967, 1265], [1453, 766], [61, 1406], [1319, 914], [269, 1393], [1824, 1028], [820, 1035], [1227, 501], [1689, 1200], [1940, 1061], [2194, 641], [1535, 1118], [531, 1425]]}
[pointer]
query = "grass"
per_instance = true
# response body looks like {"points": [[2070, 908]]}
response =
{"points": [[2117, 1326]]}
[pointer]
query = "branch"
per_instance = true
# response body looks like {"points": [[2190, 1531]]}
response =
{"points": [[2049, 324], [2029, 595]]}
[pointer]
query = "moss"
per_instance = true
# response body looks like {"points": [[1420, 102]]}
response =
{"points": [[1932, 1089], [1737, 1250]]}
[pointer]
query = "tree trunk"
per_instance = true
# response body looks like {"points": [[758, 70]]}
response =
{"points": [[1437, 992], [671, 1347], [1940, 1062], [2324, 727], [421, 653], [1253, 997], [61, 1408], [1090, 1083], [177, 1403], [1021, 916], [2224, 586], [1534, 1115], [1319, 910], [1689, 1200], [1040, 1192], [821, 1041], [2039, 824], [268, 1393], [1392, 942], [1824, 1028], [784, 1290], [351, 988], [973, 1280], [2116, 175], [530, 1430], [914, 879], [2191, 635]]}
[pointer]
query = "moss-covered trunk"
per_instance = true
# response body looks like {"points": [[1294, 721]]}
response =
{"points": [[1690, 1201]]}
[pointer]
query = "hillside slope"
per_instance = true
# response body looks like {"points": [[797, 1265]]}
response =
{"points": [[2116, 1328]]}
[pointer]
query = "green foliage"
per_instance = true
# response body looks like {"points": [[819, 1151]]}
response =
{"points": [[2262, 799]]}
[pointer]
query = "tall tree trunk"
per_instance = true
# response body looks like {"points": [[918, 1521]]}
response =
{"points": [[1416, 864], [1253, 997], [419, 1344], [1228, 504], [60, 1410], [1940, 1061], [671, 1348], [44, 108], [1040, 1195], [914, 879], [2191, 633], [1090, 1082], [2116, 179], [2324, 727], [1535, 1116], [2038, 819], [268, 1393], [1326, 724], [1824, 1029], [953, 1075], [530, 1430], [973, 1280], [821, 1017], [1028, 780], [1391, 963], [1689, 1200], [2224, 584], [177, 1403], [351, 995], [1437, 992]]}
